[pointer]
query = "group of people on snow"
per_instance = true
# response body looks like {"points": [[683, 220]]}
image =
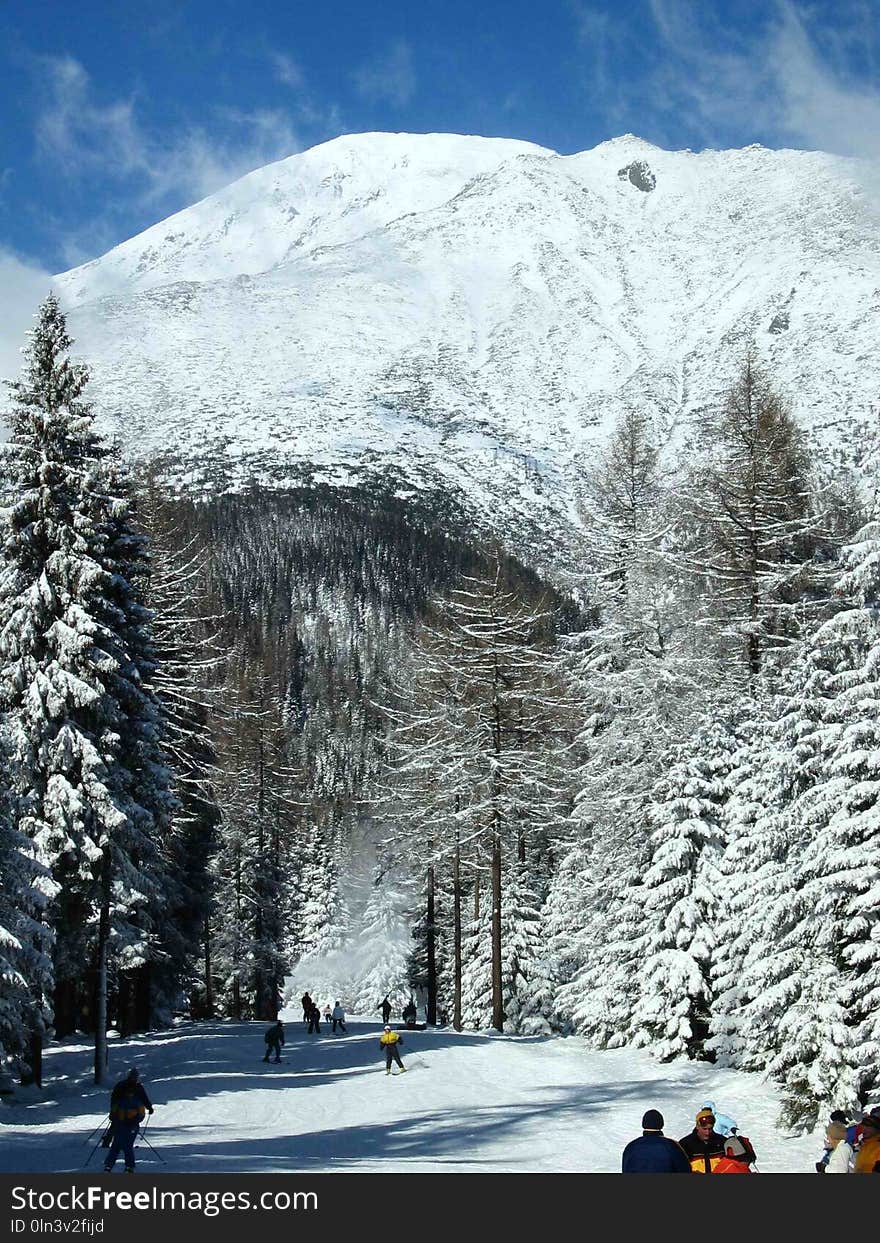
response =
{"points": [[851, 1148], [714, 1146], [312, 1015]]}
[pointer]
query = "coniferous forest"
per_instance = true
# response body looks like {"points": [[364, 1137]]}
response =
{"points": [[636, 799]]}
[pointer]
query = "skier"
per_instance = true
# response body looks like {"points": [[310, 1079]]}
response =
{"points": [[338, 1016], [704, 1146], [274, 1040], [128, 1105], [410, 1014], [388, 1042], [385, 1007], [306, 1003], [652, 1152], [327, 1014], [314, 1020]]}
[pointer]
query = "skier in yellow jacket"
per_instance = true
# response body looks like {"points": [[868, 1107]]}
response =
{"points": [[389, 1042]]}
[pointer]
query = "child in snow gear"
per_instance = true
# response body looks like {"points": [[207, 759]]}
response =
{"points": [[274, 1040], [338, 1016], [327, 1013], [652, 1152], [129, 1104], [385, 1007], [704, 1146], [389, 1042], [835, 1133], [314, 1020]]}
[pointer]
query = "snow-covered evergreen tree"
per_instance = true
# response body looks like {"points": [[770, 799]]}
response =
{"points": [[88, 779]]}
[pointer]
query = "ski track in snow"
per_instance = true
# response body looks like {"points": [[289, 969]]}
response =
{"points": [[476, 1103]]}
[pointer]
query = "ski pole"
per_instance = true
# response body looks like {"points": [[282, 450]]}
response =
{"points": [[99, 1127], [92, 1153], [153, 1150]]}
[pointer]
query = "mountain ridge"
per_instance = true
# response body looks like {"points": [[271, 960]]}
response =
{"points": [[472, 314]]}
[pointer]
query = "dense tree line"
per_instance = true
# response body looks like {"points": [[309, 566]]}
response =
{"points": [[646, 817]]}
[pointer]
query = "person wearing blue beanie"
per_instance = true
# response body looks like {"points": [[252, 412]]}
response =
{"points": [[652, 1152]]}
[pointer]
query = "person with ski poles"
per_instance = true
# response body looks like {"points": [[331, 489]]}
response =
{"points": [[129, 1104], [389, 1042]]}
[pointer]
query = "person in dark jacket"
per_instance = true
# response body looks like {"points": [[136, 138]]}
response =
{"points": [[129, 1104], [704, 1146], [652, 1152], [274, 1040], [314, 1020], [385, 1007], [306, 1003]]}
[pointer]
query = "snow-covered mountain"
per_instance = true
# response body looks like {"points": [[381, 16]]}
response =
{"points": [[476, 311]]}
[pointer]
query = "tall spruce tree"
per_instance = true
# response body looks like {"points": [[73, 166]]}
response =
{"points": [[87, 775]]}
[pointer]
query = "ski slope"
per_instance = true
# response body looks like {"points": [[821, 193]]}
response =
{"points": [[468, 1103]]}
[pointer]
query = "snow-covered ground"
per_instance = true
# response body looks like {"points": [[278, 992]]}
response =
{"points": [[468, 1103]]}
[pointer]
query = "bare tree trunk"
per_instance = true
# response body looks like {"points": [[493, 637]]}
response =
{"points": [[497, 1000], [209, 983], [101, 970], [456, 934], [432, 954]]}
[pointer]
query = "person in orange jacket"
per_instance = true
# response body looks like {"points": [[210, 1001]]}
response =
{"points": [[868, 1153]]}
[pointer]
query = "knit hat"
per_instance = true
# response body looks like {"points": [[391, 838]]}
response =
{"points": [[706, 1115], [388, 1027], [838, 1115], [872, 1118], [652, 1120]]}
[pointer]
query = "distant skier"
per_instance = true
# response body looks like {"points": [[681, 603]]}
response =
{"points": [[306, 1003], [388, 1042], [410, 1014], [338, 1017], [314, 1020], [385, 1007], [328, 1015], [128, 1105], [274, 1040]]}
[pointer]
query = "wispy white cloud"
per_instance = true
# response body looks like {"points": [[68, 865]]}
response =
{"points": [[794, 74], [793, 81], [391, 76], [84, 136], [287, 71], [23, 286]]}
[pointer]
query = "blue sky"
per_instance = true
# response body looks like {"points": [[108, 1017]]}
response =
{"points": [[115, 114]]}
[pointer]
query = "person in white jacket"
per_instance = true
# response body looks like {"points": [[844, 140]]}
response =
{"points": [[843, 1155], [338, 1016]]}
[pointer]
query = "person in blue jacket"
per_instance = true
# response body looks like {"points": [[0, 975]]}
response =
{"points": [[652, 1152], [724, 1124]]}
